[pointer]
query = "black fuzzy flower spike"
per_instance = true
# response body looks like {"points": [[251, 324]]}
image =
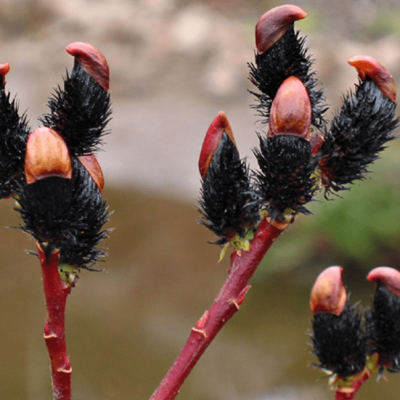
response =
{"points": [[67, 214], [286, 182], [281, 53], [338, 342], [285, 179], [14, 131], [361, 129], [227, 202], [88, 232], [383, 327], [383, 321], [81, 109], [338, 338]]}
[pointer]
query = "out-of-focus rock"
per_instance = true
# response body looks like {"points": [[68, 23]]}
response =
{"points": [[173, 66]]}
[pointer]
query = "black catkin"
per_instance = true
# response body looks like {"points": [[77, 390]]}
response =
{"points": [[358, 133], [287, 57], [67, 214], [227, 201], [339, 342], [80, 112], [14, 131], [383, 328], [285, 179]]}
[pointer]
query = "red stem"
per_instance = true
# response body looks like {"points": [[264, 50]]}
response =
{"points": [[348, 393], [56, 292], [226, 304], [345, 396]]}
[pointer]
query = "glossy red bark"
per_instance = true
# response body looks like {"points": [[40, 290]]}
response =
{"points": [[56, 292], [226, 304]]}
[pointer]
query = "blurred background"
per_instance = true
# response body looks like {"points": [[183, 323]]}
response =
{"points": [[174, 64]]}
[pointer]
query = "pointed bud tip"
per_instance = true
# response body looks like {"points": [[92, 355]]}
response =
{"points": [[212, 139], [291, 110], [368, 66], [274, 24], [388, 277], [89, 161], [92, 61], [4, 69], [46, 155], [328, 294]]}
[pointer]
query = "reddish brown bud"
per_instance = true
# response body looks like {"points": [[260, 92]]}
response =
{"points": [[89, 161], [328, 294], [316, 140], [201, 323], [4, 68], [291, 110], [368, 66], [389, 277], [212, 139], [46, 155], [92, 61], [274, 24]]}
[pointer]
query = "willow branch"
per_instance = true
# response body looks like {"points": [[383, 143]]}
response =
{"points": [[227, 303], [56, 292]]}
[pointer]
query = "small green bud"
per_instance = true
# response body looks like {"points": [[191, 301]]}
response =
{"points": [[68, 274]]}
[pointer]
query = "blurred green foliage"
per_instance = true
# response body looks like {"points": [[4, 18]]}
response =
{"points": [[314, 23], [386, 22]]}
